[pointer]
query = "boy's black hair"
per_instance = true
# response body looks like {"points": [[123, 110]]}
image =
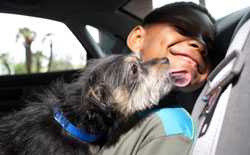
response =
{"points": [[155, 15], [190, 19]]}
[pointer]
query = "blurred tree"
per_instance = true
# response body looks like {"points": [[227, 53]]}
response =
{"points": [[61, 65], [20, 68], [4, 57], [48, 36], [28, 36], [37, 58], [35, 61]]}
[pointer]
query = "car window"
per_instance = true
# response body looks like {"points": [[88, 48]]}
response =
{"points": [[35, 45], [107, 41], [218, 8]]}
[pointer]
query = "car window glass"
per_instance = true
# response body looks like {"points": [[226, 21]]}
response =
{"points": [[217, 8], [222, 8], [35, 45], [107, 41]]}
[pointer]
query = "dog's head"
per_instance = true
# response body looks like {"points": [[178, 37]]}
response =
{"points": [[126, 83]]}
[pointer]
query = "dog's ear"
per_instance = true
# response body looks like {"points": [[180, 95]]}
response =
{"points": [[99, 94]]}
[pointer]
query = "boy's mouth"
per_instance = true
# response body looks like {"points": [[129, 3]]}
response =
{"points": [[181, 78]]}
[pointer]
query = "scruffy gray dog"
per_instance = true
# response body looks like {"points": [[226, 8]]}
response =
{"points": [[92, 111]]}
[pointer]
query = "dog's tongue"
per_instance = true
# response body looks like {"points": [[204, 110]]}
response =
{"points": [[181, 78]]}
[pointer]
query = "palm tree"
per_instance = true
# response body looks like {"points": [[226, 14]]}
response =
{"points": [[4, 58], [28, 36], [49, 36], [38, 56]]}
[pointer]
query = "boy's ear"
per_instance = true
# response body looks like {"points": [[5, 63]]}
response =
{"points": [[135, 38]]}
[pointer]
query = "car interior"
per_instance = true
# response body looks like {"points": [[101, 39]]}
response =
{"points": [[113, 17]]}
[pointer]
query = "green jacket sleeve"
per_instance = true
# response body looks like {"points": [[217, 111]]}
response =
{"points": [[171, 145], [167, 131]]}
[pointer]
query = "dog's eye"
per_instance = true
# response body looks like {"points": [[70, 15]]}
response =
{"points": [[134, 69]]}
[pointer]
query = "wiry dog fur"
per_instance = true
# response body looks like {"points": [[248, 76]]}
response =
{"points": [[104, 99]]}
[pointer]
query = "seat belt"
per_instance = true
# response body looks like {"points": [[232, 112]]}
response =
{"points": [[218, 90], [217, 81]]}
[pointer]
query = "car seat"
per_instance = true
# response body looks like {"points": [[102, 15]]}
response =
{"points": [[221, 112]]}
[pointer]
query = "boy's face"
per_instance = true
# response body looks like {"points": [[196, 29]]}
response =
{"points": [[187, 56]]}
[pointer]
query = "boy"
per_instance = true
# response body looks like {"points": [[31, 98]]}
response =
{"points": [[184, 33]]}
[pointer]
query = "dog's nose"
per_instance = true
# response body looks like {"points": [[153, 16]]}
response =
{"points": [[164, 61]]}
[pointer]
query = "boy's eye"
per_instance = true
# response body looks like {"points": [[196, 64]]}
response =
{"points": [[194, 45]]}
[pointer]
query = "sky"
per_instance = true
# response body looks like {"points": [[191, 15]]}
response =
{"points": [[65, 44]]}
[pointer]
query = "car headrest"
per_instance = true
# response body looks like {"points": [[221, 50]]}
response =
{"points": [[226, 29], [244, 18]]}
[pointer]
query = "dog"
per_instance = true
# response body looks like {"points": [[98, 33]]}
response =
{"points": [[92, 111]]}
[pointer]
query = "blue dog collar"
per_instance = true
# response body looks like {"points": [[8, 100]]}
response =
{"points": [[80, 134]]}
